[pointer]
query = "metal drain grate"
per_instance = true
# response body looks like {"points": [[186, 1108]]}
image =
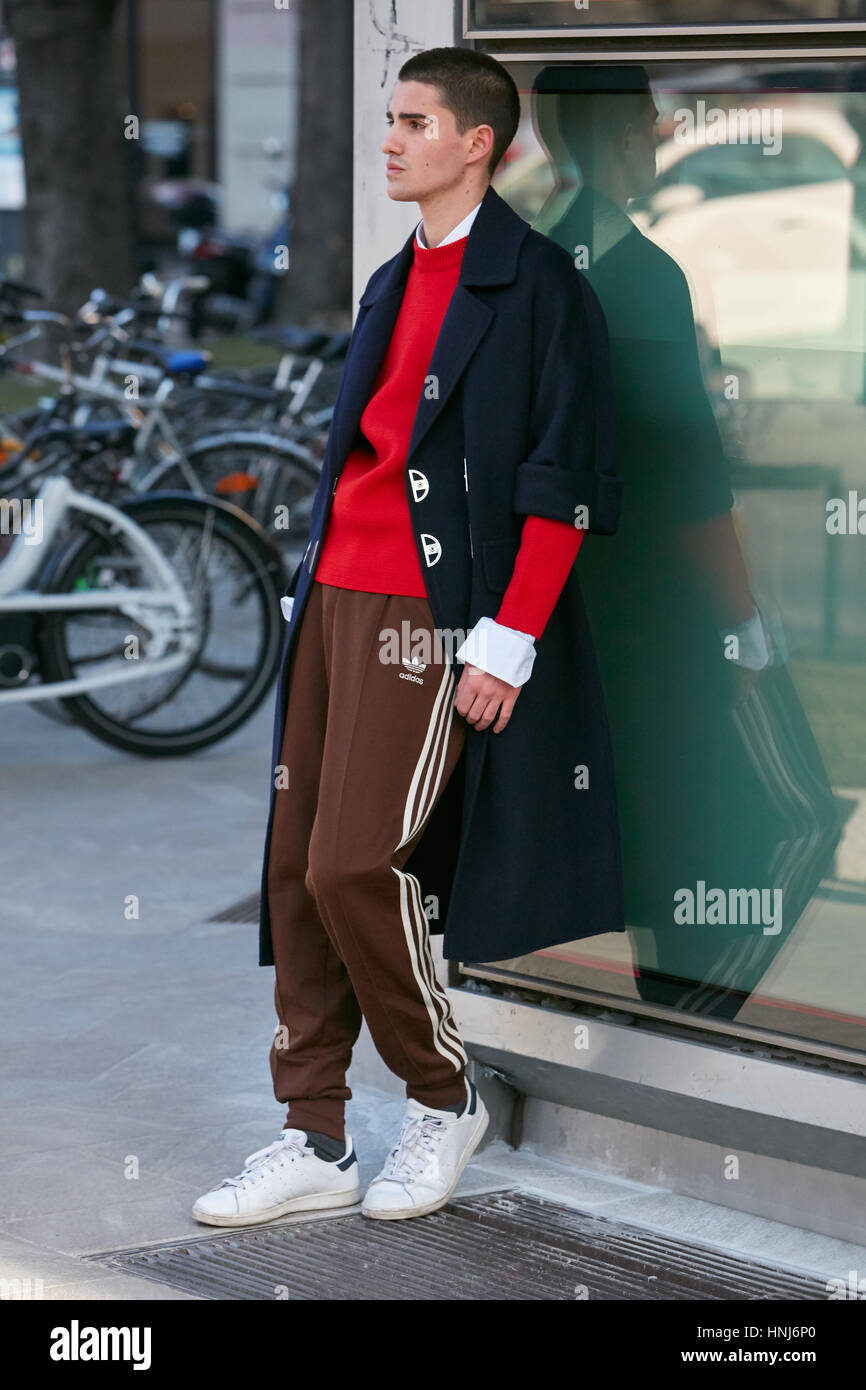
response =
{"points": [[247, 910], [508, 1245]]}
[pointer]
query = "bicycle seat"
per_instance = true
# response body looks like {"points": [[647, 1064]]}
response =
{"points": [[242, 390], [14, 289], [337, 347], [290, 337], [173, 363], [186, 363]]}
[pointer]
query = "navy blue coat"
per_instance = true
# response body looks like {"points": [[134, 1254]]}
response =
{"points": [[522, 850]]}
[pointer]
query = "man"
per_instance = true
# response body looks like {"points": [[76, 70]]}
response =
{"points": [[472, 443]]}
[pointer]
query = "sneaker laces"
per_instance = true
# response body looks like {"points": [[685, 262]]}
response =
{"points": [[414, 1151], [254, 1163]]}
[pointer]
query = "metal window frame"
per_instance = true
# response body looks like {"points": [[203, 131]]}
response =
{"points": [[623, 57], [653, 31], [688, 1087], [703, 1027]]}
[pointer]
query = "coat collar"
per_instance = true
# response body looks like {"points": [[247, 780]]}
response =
{"points": [[490, 258]]}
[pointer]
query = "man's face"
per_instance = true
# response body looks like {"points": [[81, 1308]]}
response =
{"points": [[424, 152], [639, 149]]}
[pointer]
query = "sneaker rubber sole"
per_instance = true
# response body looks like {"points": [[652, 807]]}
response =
{"points": [[310, 1201], [472, 1145]]}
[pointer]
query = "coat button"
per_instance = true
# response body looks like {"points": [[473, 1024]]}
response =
{"points": [[432, 549], [419, 484]]}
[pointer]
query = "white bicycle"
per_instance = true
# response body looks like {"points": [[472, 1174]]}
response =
{"points": [[155, 621]]}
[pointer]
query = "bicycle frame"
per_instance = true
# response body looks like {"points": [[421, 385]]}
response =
{"points": [[157, 448], [164, 608]]}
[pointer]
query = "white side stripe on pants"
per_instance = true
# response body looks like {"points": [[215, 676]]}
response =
{"points": [[439, 723], [419, 803], [422, 968]]}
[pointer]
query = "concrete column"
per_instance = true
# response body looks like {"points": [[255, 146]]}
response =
{"points": [[387, 32]]}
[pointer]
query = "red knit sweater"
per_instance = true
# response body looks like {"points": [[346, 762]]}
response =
{"points": [[369, 542]]}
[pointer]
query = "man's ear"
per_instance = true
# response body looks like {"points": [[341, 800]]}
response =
{"points": [[482, 146]]}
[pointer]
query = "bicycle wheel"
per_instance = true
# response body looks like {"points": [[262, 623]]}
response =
{"points": [[269, 478], [233, 578]]}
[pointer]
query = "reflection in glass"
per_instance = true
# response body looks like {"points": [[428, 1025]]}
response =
{"points": [[726, 804]]}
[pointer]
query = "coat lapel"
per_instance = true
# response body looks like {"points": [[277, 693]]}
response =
{"points": [[490, 258]]}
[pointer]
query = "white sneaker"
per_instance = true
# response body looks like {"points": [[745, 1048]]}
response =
{"points": [[284, 1177], [424, 1167]]}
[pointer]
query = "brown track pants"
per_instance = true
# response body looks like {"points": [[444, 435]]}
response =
{"points": [[368, 748]]}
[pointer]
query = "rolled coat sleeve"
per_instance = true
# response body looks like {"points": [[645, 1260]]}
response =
{"points": [[570, 473]]}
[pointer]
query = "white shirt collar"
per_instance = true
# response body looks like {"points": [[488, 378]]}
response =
{"points": [[461, 230]]}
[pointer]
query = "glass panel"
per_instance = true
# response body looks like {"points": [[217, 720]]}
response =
{"points": [[581, 14], [723, 228]]}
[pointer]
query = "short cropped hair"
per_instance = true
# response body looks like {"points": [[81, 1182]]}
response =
{"points": [[474, 87]]}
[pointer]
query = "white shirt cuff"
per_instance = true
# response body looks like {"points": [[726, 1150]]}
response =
{"points": [[287, 603], [753, 650], [501, 651]]}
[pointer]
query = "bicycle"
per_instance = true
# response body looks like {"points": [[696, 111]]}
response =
{"points": [[269, 475], [155, 623]]}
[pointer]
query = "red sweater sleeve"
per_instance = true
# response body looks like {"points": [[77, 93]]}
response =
{"points": [[546, 555]]}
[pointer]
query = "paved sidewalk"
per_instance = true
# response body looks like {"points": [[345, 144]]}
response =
{"points": [[135, 1048]]}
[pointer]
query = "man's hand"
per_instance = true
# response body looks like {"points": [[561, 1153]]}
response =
{"points": [[480, 695]]}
